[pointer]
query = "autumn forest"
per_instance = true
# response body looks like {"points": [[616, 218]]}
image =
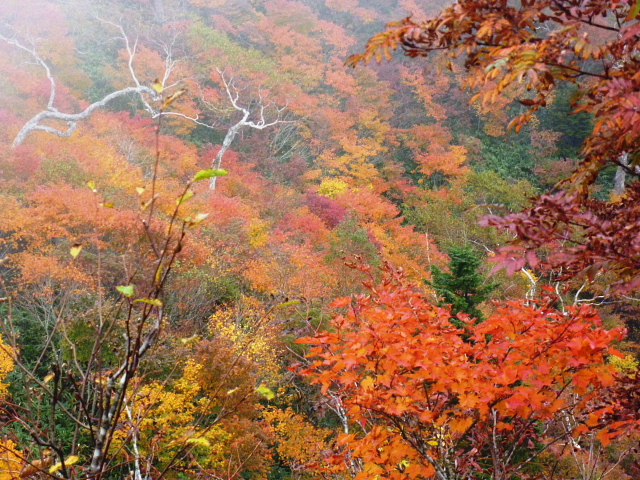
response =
{"points": [[320, 239]]}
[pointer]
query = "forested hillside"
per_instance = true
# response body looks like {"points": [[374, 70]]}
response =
{"points": [[249, 239]]}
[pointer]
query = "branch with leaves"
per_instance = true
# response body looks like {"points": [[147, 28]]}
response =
{"points": [[540, 44], [90, 386], [429, 398]]}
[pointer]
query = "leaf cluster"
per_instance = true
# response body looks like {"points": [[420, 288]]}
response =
{"points": [[430, 402]]}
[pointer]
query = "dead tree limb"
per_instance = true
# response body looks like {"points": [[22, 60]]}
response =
{"points": [[260, 112], [52, 113]]}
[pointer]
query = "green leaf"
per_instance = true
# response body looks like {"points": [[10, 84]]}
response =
{"points": [[159, 273], [634, 11], [126, 290], [266, 392], [183, 198], [157, 86], [211, 172], [151, 301], [501, 62], [286, 304]]}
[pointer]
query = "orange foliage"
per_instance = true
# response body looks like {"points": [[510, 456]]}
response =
{"points": [[432, 396], [299, 444], [292, 270], [432, 150], [426, 87]]}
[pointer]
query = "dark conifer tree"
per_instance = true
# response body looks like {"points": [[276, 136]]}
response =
{"points": [[464, 287]]}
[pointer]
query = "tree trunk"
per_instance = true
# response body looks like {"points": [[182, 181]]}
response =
{"points": [[158, 11], [621, 175]]}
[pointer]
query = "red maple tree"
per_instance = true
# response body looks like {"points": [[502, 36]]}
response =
{"points": [[426, 398]]}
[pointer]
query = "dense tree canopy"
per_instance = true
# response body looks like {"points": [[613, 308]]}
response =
{"points": [[529, 49], [540, 44], [187, 184], [462, 401]]}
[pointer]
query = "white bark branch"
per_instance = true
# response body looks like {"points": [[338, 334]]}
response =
{"points": [[52, 113], [533, 285], [39, 61], [35, 124], [260, 123], [261, 111], [624, 168], [170, 64]]}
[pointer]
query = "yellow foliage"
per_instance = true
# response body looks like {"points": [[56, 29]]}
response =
{"points": [[297, 441], [70, 460], [248, 328], [202, 441], [10, 461], [627, 365], [523, 273], [332, 187], [258, 233], [166, 420], [6, 365], [459, 153]]}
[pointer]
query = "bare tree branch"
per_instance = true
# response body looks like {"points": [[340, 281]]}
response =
{"points": [[260, 123], [52, 113], [35, 123], [263, 114]]}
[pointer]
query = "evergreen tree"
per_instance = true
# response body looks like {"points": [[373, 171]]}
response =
{"points": [[465, 287]]}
